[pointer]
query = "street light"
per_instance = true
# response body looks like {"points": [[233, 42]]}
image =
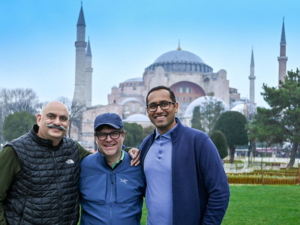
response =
{"points": [[249, 147]]}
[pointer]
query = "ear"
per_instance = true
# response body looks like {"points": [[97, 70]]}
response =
{"points": [[176, 107], [38, 119], [124, 134]]}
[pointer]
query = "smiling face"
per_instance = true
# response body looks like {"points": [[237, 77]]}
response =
{"points": [[164, 120], [54, 114], [110, 148]]}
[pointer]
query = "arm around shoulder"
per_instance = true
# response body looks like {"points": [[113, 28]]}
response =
{"points": [[82, 152]]}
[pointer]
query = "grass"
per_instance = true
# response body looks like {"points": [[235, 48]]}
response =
{"points": [[257, 204]]}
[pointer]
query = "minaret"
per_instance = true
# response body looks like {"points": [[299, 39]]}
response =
{"points": [[88, 75], [252, 78], [80, 78], [282, 58]]}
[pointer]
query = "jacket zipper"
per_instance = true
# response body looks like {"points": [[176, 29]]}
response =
{"points": [[111, 192], [59, 189]]}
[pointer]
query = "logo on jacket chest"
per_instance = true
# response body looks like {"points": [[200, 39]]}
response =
{"points": [[124, 181], [70, 161]]}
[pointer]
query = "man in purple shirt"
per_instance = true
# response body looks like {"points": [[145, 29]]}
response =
{"points": [[186, 182]]}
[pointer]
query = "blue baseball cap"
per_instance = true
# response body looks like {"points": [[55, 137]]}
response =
{"points": [[111, 119]]}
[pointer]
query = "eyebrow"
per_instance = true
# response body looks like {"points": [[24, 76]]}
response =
{"points": [[55, 115]]}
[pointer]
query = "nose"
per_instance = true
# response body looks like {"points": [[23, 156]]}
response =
{"points": [[158, 110], [56, 121], [108, 138]]}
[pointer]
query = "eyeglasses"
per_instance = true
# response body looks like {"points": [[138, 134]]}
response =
{"points": [[163, 105], [113, 135]]}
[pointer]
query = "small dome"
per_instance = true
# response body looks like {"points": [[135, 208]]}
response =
{"points": [[179, 56], [137, 118], [247, 109], [136, 79], [132, 100], [114, 86], [200, 101]]}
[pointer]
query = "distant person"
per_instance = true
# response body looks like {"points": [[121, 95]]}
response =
{"points": [[186, 182], [111, 190], [39, 173]]}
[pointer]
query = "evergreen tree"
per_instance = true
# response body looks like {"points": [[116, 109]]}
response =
{"points": [[283, 117], [134, 135], [17, 124], [232, 125], [220, 142]]}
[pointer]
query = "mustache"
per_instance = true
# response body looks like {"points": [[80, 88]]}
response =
{"points": [[60, 127]]}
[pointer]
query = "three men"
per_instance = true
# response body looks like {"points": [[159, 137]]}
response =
{"points": [[186, 182], [111, 190], [39, 173]]}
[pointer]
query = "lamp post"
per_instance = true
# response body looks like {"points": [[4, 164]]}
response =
{"points": [[249, 148]]}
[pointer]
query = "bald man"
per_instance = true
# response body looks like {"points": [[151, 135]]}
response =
{"points": [[39, 172]]}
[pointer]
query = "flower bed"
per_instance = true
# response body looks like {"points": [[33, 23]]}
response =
{"points": [[257, 179]]}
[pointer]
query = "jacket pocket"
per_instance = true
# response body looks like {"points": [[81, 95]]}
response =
{"points": [[93, 188]]}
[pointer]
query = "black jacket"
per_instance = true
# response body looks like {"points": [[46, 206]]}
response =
{"points": [[46, 189]]}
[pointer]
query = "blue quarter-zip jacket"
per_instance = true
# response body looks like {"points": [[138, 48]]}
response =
{"points": [[200, 189], [110, 196]]}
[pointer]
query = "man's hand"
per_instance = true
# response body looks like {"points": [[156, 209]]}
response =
{"points": [[135, 156]]}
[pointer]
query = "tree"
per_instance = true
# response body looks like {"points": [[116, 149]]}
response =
{"points": [[266, 128], [196, 119], [134, 134], [284, 102], [17, 124], [210, 111], [220, 142], [17, 100], [232, 125]]}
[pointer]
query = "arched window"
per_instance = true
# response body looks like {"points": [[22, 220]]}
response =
{"points": [[133, 107]]}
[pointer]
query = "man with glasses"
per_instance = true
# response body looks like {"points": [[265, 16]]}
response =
{"points": [[111, 189], [186, 182]]}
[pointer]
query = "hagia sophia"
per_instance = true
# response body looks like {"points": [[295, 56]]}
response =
{"points": [[188, 76]]}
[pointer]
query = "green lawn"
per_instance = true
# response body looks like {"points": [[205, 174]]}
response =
{"points": [[260, 205]]}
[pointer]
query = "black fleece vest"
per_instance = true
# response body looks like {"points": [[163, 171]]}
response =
{"points": [[46, 189]]}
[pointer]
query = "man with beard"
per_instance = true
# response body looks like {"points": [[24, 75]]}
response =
{"points": [[39, 172], [186, 182]]}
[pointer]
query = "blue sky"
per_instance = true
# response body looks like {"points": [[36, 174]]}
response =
{"points": [[37, 40]]}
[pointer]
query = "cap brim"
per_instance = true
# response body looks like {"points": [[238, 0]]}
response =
{"points": [[110, 124]]}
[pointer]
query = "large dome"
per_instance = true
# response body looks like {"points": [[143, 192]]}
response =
{"points": [[179, 56], [180, 60]]}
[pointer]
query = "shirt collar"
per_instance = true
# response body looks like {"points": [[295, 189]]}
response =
{"points": [[166, 135], [119, 161]]}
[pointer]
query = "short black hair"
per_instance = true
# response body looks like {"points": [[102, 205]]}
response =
{"points": [[172, 95]]}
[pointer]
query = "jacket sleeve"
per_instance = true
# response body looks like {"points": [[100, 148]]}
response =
{"points": [[216, 184], [82, 152], [9, 169]]}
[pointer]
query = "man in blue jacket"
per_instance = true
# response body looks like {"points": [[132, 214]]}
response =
{"points": [[111, 190], [186, 182]]}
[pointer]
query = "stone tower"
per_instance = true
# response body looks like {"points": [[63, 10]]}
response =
{"points": [[80, 70], [252, 79], [282, 58], [88, 76]]}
